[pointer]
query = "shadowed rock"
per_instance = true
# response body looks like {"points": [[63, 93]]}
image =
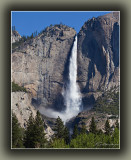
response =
{"points": [[98, 54]]}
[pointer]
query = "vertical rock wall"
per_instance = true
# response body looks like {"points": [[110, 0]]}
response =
{"points": [[98, 56]]}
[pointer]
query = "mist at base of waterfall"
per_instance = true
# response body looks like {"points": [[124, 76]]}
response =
{"points": [[54, 114]]}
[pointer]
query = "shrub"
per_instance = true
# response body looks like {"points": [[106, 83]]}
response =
{"points": [[16, 88]]}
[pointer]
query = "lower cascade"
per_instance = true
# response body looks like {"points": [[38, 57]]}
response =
{"points": [[71, 93]]}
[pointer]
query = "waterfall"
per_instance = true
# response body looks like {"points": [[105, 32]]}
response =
{"points": [[72, 96], [71, 93]]}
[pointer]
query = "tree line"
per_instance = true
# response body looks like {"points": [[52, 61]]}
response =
{"points": [[34, 135], [23, 38]]}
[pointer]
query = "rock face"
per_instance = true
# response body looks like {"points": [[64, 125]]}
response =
{"points": [[21, 106], [41, 65], [15, 36], [100, 119], [98, 56]]}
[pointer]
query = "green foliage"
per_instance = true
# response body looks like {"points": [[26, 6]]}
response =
{"points": [[17, 133], [79, 142], [32, 36], [115, 137], [16, 88], [99, 132], [18, 43], [29, 133], [40, 140], [34, 134], [75, 132], [92, 128], [59, 143], [95, 141], [61, 132], [66, 135], [23, 39], [117, 124], [96, 138], [59, 128], [108, 103], [83, 129], [107, 128], [84, 141]]}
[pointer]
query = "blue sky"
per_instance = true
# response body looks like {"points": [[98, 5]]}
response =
{"points": [[28, 22]]}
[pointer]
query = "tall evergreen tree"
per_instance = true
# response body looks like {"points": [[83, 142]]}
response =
{"points": [[92, 128], [39, 134], [66, 135], [32, 36], [75, 132], [34, 134], [17, 136], [107, 127], [29, 133], [59, 128], [24, 38]]}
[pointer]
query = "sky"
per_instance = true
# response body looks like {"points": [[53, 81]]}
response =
{"points": [[28, 22]]}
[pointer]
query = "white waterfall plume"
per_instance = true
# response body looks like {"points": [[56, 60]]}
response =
{"points": [[71, 94]]}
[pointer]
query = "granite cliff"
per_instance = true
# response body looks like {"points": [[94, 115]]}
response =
{"points": [[41, 63], [98, 56]]}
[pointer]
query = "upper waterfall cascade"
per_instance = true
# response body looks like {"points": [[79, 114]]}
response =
{"points": [[72, 96]]}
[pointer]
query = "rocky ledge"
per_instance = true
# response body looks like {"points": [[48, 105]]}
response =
{"points": [[15, 36]]}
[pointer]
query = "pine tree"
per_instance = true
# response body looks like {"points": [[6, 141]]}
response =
{"points": [[59, 128], [107, 127], [34, 134], [39, 135], [29, 133], [75, 132], [66, 135], [17, 136], [92, 128], [24, 38], [32, 36]]}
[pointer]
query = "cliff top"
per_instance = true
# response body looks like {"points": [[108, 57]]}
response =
{"points": [[107, 20], [111, 15], [58, 31], [15, 36]]}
